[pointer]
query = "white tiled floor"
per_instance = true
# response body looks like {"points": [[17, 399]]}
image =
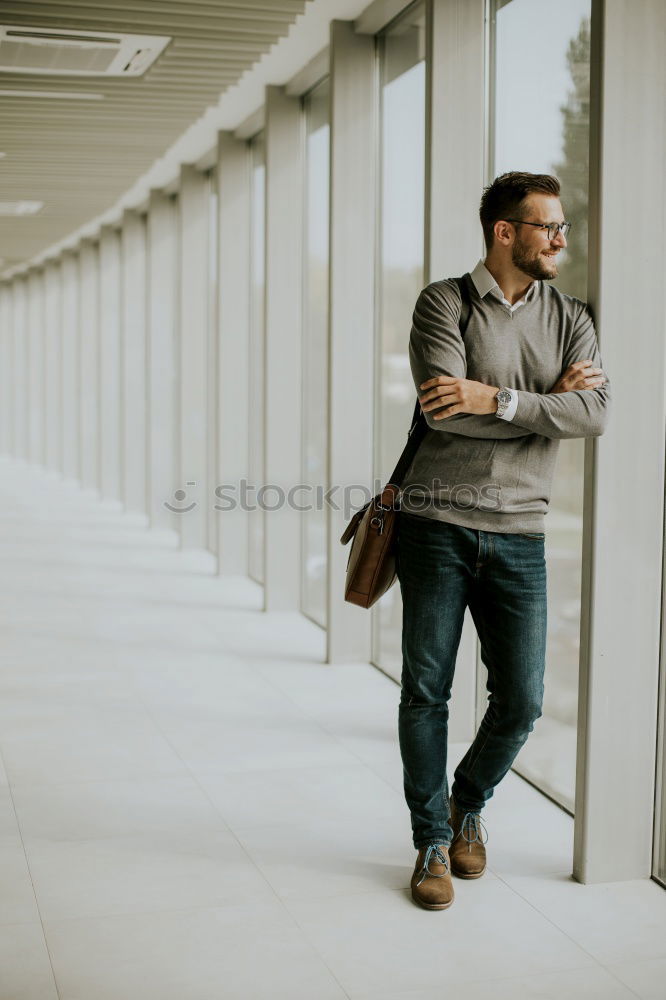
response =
{"points": [[194, 807]]}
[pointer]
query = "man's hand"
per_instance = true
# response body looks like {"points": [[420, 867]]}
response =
{"points": [[457, 395], [580, 375]]}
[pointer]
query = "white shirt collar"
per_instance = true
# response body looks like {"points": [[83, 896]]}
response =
{"points": [[485, 283]]}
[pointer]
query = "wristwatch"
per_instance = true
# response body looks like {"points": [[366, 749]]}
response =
{"points": [[503, 398]]}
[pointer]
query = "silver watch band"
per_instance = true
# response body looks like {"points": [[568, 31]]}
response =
{"points": [[504, 398]]}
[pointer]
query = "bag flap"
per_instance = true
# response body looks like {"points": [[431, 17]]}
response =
{"points": [[352, 527]]}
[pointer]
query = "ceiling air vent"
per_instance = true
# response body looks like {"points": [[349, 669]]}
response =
{"points": [[77, 53]]}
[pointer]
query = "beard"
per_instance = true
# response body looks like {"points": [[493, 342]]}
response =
{"points": [[532, 262]]}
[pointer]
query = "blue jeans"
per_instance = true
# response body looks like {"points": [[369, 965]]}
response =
{"points": [[442, 569]]}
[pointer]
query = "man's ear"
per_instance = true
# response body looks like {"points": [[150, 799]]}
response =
{"points": [[502, 232]]}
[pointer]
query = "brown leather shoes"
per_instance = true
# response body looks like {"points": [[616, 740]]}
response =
{"points": [[467, 851], [432, 887]]}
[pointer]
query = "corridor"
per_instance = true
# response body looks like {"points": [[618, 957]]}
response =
{"points": [[194, 807]]}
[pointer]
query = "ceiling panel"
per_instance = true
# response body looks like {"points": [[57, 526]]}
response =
{"points": [[79, 156]]}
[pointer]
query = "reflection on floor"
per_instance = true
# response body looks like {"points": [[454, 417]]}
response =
{"points": [[194, 807]]}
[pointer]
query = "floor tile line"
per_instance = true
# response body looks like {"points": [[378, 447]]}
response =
{"points": [[265, 878], [337, 738], [481, 980], [551, 921], [32, 882], [610, 972]]}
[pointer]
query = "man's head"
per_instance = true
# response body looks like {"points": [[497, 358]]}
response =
{"points": [[513, 210]]}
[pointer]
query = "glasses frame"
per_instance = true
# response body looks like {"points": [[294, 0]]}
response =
{"points": [[560, 227]]}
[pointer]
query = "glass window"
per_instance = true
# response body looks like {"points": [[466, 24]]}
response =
{"points": [[315, 350], [256, 463], [540, 123], [399, 272]]}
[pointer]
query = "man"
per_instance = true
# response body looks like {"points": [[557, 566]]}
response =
{"points": [[471, 533]]}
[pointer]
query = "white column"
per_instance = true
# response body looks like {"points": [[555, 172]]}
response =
{"points": [[284, 370], [352, 283], [162, 360], [20, 355], [455, 102], [70, 365], [88, 418], [212, 365], [455, 95], [110, 387], [455, 108], [53, 370], [233, 192], [35, 343], [193, 357], [624, 489], [133, 357]]}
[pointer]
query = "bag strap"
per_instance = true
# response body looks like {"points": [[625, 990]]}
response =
{"points": [[418, 428]]}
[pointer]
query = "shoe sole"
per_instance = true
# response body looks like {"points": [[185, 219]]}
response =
{"points": [[467, 874], [432, 906]]}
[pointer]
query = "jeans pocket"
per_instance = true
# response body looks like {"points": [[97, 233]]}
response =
{"points": [[539, 535]]}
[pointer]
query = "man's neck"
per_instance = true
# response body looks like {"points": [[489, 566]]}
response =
{"points": [[513, 284]]}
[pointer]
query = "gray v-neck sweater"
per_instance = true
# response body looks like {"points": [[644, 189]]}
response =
{"points": [[477, 470]]}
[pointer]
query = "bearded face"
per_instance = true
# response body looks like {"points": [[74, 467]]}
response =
{"points": [[538, 262]]}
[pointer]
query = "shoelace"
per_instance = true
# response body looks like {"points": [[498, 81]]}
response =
{"points": [[475, 822], [433, 849]]}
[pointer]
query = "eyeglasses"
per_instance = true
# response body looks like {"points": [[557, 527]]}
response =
{"points": [[553, 227]]}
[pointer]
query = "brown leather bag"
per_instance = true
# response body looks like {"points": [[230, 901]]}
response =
{"points": [[371, 563], [371, 567]]}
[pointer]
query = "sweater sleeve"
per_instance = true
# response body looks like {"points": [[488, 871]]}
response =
{"points": [[578, 413], [436, 348]]}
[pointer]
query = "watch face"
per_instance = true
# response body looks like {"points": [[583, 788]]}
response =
{"points": [[504, 397]]}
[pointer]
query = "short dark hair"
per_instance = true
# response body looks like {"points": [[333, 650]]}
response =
{"points": [[505, 197]]}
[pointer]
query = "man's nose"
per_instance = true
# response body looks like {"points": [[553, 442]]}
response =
{"points": [[560, 240]]}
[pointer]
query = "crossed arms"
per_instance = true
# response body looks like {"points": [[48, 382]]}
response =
{"points": [[576, 406]]}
